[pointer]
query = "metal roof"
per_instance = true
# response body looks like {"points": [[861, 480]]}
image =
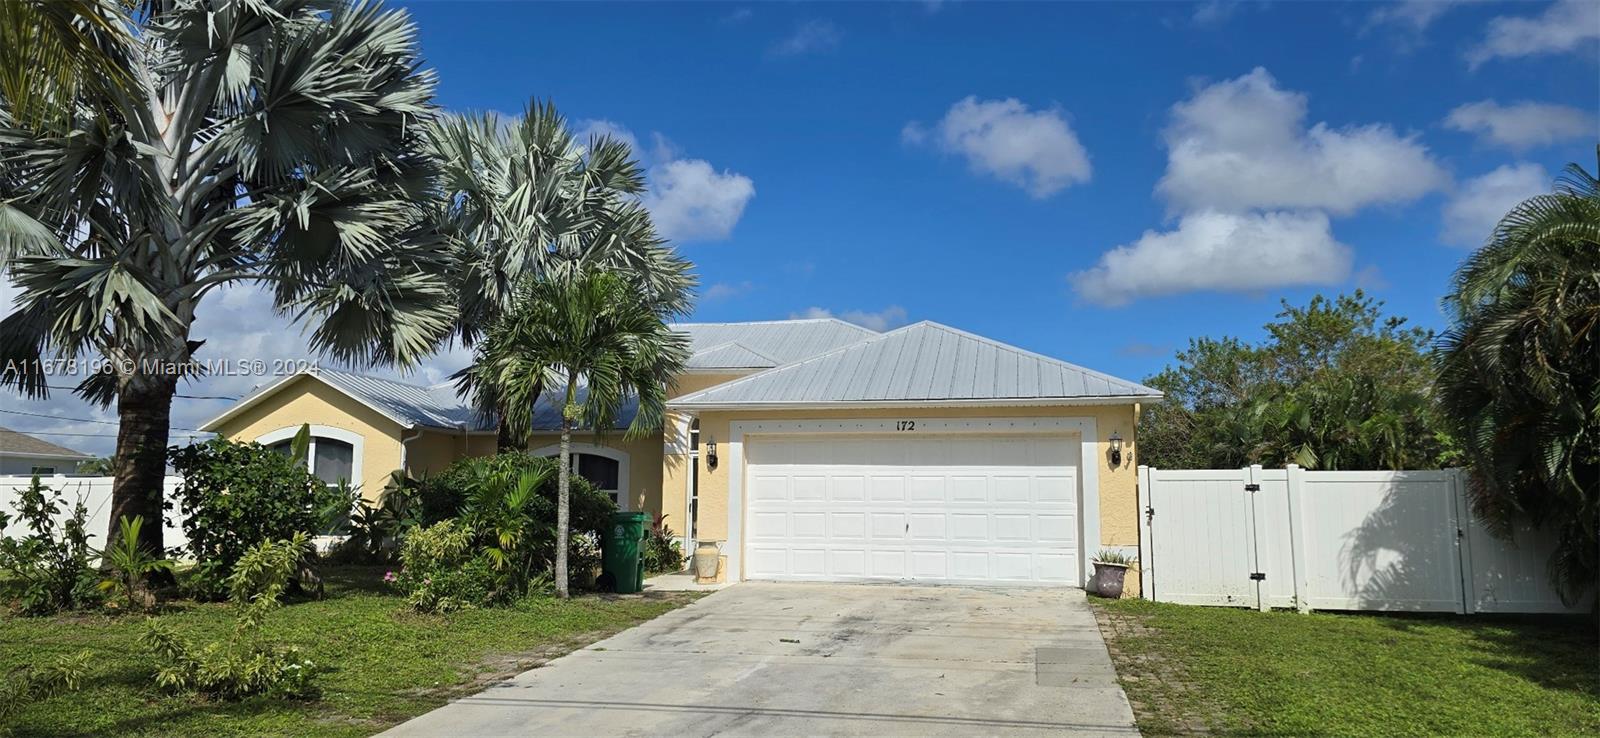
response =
{"points": [[730, 355], [17, 443], [919, 363], [436, 406], [780, 341]]}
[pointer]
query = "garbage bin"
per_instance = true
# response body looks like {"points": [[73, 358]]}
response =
{"points": [[622, 557]]}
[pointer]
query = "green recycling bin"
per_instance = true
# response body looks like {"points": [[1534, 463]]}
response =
{"points": [[622, 557]]}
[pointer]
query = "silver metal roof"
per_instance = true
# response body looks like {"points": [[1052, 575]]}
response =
{"points": [[921, 362], [780, 341], [730, 355], [435, 406]]}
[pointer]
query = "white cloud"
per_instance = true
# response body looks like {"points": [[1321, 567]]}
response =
{"points": [[1566, 25], [689, 200], [812, 36], [1522, 125], [725, 290], [1242, 144], [1035, 150], [1214, 12], [893, 316], [1221, 252], [1411, 15], [1478, 205]]}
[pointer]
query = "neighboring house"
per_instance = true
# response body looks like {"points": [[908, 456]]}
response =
{"points": [[22, 454], [810, 449]]}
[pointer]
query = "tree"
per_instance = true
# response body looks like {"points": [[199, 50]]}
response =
{"points": [[524, 199], [1519, 373], [1335, 385], [592, 336], [275, 143], [50, 50]]}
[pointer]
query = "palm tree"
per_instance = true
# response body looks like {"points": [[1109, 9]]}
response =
{"points": [[50, 50], [596, 338], [1519, 373], [524, 199], [275, 143]]}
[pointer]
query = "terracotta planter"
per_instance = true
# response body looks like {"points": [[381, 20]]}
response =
{"points": [[1108, 579]]}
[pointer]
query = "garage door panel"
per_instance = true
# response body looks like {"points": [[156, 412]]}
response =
{"points": [[941, 508]]}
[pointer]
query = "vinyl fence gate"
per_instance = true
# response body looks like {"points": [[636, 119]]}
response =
{"points": [[1357, 540]]}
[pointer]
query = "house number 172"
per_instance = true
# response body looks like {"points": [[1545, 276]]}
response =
{"points": [[905, 425]]}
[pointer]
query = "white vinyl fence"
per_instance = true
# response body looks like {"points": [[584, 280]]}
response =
{"points": [[1293, 538], [94, 492]]}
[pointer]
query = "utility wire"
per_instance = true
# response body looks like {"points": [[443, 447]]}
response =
{"points": [[181, 396], [81, 420]]}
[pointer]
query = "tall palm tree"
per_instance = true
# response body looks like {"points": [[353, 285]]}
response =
{"points": [[525, 199], [269, 142], [594, 337], [1519, 372], [50, 50]]}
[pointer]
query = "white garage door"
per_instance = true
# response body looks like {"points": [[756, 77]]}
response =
{"points": [[959, 509]]}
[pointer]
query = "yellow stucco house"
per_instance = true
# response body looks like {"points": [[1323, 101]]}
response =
{"points": [[808, 449]]}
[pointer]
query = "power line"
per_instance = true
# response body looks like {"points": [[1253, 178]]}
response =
{"points": [[82, 420], [180, 396]]}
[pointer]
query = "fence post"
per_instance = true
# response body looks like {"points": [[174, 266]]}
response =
{"points": [[1297, 538], [1462, 515], [1252, 477], [1147, 579]]}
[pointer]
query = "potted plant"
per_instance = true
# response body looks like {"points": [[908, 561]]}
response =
{"points": [[1110, 569]]}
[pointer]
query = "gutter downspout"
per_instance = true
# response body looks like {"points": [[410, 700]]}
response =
{"points": [[404, 448]]}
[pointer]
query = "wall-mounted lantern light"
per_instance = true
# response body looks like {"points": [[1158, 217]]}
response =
{"points": [[711, 454], [1116, 448]]}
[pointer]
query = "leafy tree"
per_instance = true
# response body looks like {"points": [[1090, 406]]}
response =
{"points": [[1334, 385], [50, 50], [601, 344], [525, 199], [1519, 373], [271, 142]]}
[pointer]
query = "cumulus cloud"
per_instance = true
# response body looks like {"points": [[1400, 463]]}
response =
{"points": [[1522, 125], [1218, 251], [1566, 25], [812, 36], [1032, 149], [690, 200], [1243, 144], [1478, 205], [893, 316]]}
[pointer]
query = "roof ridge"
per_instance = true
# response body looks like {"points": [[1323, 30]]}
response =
{"points": [[373, 377], [875, 336], [1033, 354], [739, 344], [829, 319]]}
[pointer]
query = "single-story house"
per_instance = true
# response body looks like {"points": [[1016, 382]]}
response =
{"points": [[22, 454], [809, 449]]}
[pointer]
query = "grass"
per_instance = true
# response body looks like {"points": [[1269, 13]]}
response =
{"points": [[387, 664], [1238, 672]]}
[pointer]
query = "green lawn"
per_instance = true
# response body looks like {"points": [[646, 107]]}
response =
{"points": [[388, 664], [1230, 671]]}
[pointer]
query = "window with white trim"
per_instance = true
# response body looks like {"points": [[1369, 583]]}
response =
{"points": [[331, 460], [603, 472]]}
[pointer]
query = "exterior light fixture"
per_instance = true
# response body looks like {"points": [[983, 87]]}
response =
{"points": [[1116, 448], [711, 454]]}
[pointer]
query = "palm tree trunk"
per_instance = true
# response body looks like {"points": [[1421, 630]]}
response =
{"points": [[564, 476], [504, 441], [144, 415]]}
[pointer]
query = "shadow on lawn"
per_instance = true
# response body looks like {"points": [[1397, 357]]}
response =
{"points": [[1559, 652]]}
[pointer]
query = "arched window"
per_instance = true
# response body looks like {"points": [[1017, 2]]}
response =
{"points": [[605, 468], [331, 459]]}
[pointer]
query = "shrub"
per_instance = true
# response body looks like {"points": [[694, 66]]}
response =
{"points": [[442, 571], [375, 531], [509, 502], [130, 565], [244, 664], [235, 496], [661, 553], [47, 569]]}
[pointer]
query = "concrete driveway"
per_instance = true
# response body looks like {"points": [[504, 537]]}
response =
{"points": [[822, 659]]}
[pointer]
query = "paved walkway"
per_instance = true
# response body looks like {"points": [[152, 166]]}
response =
{"points": [[822, 659]]}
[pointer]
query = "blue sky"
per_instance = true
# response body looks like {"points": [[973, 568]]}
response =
{"points": [[1096, 182]]}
